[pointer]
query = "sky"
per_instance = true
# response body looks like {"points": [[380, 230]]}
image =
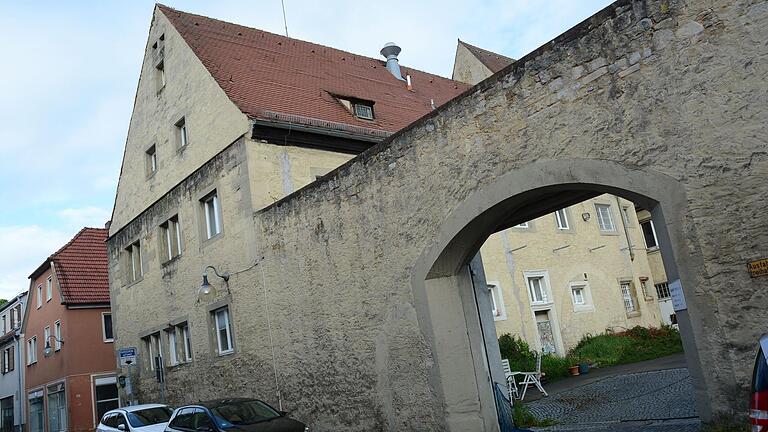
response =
{"points": [[69, 70]]}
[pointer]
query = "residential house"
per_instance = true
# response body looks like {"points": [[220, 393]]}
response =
{"points": [[69, 368], [227, 120], [582, 270], [11, 367], [658, 272]]}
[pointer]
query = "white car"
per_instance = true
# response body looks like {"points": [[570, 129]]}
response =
{"points": [[136, 418]]}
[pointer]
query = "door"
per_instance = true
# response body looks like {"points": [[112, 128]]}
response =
{"points": [[6, 414], [546, 334]]}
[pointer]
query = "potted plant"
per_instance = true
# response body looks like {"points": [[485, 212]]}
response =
{"points": [[574, 370]]}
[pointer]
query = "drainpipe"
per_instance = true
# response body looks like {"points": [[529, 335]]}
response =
{"points": [[626, 232]]}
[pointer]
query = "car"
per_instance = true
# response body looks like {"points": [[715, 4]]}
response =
{"points": [[758, 413], [136, 418], [225, 415]]}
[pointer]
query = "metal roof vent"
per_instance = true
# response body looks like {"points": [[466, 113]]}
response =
{"points": [[390, 51]]}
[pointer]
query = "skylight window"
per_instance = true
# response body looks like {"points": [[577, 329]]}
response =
{"points": [[363, 111]]}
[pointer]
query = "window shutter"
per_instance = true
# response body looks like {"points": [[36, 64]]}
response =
{"points": [[11, 359]]}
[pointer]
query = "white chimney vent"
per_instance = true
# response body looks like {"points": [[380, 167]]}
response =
{"points": [[390, 51]]}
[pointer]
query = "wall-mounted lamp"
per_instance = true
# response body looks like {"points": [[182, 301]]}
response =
{"points": [[48, 351], [585, 216], [207, 291]]}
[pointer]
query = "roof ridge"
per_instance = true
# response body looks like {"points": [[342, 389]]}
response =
{"points": [[75, 237], [168, 8]]}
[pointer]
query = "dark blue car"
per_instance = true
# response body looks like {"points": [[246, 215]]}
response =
{"points": [[230, 415], [758, 413]]}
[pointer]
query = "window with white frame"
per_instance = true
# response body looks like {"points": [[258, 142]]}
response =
{"points": [[47, 336], [628, 296], [578, 295], [40, 296], [179, 346], [212, 214], [649, 234], [604, 217], [537, 288], [49, 289], [106, 321], [223, 329], [182, 137], [662, 290], [154, 349], [561, 217], [32, 350], [497, 301], [134, 267], [9, 359], [5, 324], [170, 238], [57, 333]]}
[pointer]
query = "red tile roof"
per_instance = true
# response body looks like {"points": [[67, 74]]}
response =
{"points": [[82, 268], [265, 72], [491, 60]]}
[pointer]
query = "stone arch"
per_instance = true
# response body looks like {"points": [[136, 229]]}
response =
{"points": [[441, 275]]}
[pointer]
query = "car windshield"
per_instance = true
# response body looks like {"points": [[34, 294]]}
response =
{"points": [[243, 413], [149, 416]]}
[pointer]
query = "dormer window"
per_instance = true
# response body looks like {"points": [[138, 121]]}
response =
{"points": [[363, 111]]}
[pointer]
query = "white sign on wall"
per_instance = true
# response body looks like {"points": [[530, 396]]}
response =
{"points": [[676, 292]]}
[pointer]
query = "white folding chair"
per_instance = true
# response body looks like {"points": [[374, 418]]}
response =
{"points": [[529, 378], [510, 377]]}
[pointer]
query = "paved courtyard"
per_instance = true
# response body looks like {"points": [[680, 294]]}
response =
{"points": [[653, 401]]}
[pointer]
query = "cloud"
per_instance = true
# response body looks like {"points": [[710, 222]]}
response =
{"points": [[22, 250], [94, 217]]}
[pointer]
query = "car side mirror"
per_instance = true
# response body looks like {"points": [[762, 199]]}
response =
{"points": [[121, 427]]}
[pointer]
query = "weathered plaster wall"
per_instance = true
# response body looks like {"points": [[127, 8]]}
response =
{"points": [[510, 253], [467, 68], [671, 87], [213, 122]]}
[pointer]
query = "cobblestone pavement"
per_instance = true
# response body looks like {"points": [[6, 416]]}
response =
{"points": [[656, 401]]}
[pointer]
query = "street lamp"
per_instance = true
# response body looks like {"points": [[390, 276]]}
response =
{"points": [[207, 291], [48, 351]]}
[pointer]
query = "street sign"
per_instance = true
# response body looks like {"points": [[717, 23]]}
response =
{"points": [[678, 298], [758, 268], [127, 356]]}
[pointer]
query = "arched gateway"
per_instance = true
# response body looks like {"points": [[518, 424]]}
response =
{"points": [[662, 102]]}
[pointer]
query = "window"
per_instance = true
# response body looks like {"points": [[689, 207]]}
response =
{"points": [[604, 217], [106, 395], [57, 408], [49, 289], [182, 139], [32, 350], [662, 290], [170, 236], [5, 324], [160, 75], [36, 411], [153, 347], [522, 225], [223, 330], [649, 233], [212, 214], [39, 296], [625, 215], [151, 160], [179, 344], [106, 321], [47, 336], [578, 295], [184, 420], [16, 317], [57, 333], [537, 289], [497, 301], [134, 269], [363, 111], [628, 296], [561, 217], [9, 360]]}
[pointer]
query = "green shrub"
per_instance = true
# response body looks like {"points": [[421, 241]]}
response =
{"points": [[523, 417]]}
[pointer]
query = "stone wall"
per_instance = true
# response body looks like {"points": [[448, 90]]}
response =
{"points": [[663, 88]]}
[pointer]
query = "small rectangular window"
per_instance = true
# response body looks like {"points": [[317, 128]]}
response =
{"points": [[160, 75], [179, 346], [649, 233], [133, 264], [662, 291], [364, 111], [57, 333], [604, 217], [223, 330], [32, 350], [561, 217], [154, 350], [537, 289], [106, 321], [5, 324], [212, 214], [497, 301], [182, 137], [578, 295], [151, 160], [49, 289], [628, 296], [39, 296], [172, 346], [170, 237]]}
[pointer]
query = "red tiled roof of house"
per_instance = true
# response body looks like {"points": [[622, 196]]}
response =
{"points": [[82, 268], [261, 71], [493, 61]]}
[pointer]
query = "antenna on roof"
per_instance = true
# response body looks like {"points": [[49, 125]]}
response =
{"points": [[285, 21]]}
